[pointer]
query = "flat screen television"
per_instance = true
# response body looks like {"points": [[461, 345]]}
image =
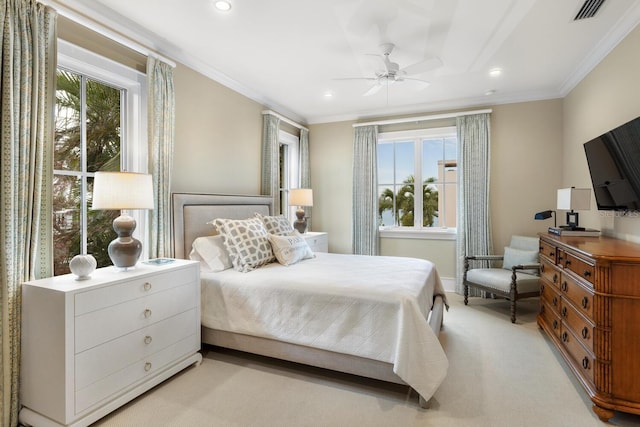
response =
{"points": [[614, 166]]}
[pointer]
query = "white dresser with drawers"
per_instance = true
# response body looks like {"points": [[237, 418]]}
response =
{"points": [[90, 346]]}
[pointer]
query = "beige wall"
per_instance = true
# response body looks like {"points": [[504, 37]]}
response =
{"points": [[608, 97]]}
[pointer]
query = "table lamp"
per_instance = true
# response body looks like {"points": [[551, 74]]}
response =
{"points": [[573, 199], [300, 197], [119, 191]]}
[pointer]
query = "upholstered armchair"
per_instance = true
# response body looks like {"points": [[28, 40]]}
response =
{"points": [[516, 279]]}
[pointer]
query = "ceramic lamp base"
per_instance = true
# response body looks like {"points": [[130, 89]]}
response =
{"points": [[125, 250]]}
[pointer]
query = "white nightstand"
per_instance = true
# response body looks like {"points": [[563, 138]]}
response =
{"points": [[318, 240], [88, 347]]}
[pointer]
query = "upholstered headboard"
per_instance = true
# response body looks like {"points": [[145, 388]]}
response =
{"points": [[191, 212]]}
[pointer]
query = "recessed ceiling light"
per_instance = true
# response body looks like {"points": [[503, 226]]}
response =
{"points": [[328, 94], [223, 5], [490, 92], [495, 72]]}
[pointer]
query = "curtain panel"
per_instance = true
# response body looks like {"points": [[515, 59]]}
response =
{"points": [[270, 178], [26, 165], [365, 193], [161, 130], [305, 168], [474, 220]]}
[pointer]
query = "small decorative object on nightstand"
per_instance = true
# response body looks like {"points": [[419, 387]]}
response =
{"points": [[82, 266], [300, 197]]}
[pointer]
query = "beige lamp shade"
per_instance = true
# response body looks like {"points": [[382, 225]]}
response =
{"points": [[578, 199], [122, 190], [301, 197]]}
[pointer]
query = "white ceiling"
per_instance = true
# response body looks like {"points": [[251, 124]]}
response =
{"points": [[286, 54]]}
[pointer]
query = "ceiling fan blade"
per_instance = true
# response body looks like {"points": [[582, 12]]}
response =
{"points": [[374, 89], [423, 84], [356, 78], [422, 66]]}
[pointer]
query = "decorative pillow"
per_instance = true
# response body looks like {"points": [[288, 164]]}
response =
{"points": [[518, 256], [211, 253], [291, 248], [246, 241], [278, 225]]}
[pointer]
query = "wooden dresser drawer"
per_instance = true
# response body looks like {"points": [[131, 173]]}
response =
{"points": [[551, 295], [106, 359], [550, 272], [100, 326], [583, 359], [579, 267], [551, 318], [107, 296], [548, 251], [578, 294], [581, 326]]}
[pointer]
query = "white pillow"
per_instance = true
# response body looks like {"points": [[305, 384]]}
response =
{"points": [[291, 248], [210, 251], [514, 256], [278, 224], [246, 241]]}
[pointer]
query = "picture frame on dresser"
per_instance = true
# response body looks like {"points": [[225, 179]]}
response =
{"points": [[89, 347]]}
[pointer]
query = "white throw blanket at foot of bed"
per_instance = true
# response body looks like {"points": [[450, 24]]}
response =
{"points": [[373, 307]]}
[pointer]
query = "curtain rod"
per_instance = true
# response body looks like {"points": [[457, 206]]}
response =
{"points": [[421, 118], [284, 119], [105, 31]]}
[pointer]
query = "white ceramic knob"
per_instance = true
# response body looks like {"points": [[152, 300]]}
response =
{"points": [[82, 266]]}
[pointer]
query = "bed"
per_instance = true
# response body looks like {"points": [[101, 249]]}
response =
{"points": [[386, 331]]}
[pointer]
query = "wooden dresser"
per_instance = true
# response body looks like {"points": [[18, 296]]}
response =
{"points": [[590, 308]]}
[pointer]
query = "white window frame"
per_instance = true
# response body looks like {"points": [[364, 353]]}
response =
{"points": [[133, 116], [417, 232], [292, 171]]}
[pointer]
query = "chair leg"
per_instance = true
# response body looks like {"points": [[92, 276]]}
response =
{"points": [[513, 311], [466, 295]]}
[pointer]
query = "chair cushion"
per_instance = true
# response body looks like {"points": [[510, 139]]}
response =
{"points": [[500, 279], [513, 256]]}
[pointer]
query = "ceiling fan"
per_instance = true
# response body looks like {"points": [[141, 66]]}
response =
{"points": [[391, 72]]}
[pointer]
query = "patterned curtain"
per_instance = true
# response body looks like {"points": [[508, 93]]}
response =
{"points": [[271, 160], [305, 168], [26, 165], [161, 129], [365, 192], [474, 220]]}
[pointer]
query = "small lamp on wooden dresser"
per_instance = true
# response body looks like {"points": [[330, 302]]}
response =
{"points": [[89, 347]]}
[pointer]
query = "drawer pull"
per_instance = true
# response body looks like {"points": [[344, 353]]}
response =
{"points": [[542, 268], [564, 311], [565, 337], [542, 309], [147, 366], [586, 273], [564, 286], [147, 286], [148, 339], [147, 313], [555, 301], [567, 262], [542, 288], [552, 254], [555, 278], [555, 324], [585, 302], [585, 332], [585, 362]]}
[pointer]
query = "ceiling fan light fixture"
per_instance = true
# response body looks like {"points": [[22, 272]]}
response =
{"points": [[222, 5]]}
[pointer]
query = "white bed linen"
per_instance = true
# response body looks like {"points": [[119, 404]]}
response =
{"points": [[373, 307]]}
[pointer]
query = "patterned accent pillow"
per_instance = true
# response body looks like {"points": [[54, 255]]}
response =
{"points": [[278, 225], [291, 248], [246, 241]]}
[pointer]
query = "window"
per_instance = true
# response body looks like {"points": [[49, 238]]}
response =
{"points": [[417, 179], [289, 171], [99, 126]]}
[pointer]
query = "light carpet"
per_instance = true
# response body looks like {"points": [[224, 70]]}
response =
{"points": [[500, 374]]}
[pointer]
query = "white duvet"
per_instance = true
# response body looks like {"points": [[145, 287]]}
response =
{"points": [[373, 307]]}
